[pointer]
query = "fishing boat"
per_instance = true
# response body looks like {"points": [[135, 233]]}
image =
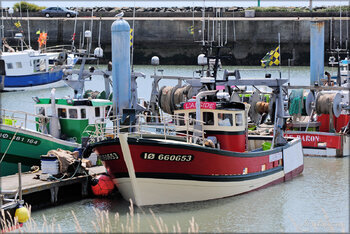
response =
{"points": [[198, 156], [57, 122], [29, 69], [321, 112]]}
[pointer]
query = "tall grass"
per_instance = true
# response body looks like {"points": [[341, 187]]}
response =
{"points": [[103, 223]]}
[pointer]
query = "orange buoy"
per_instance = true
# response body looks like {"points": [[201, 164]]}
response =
{"points": [[102, 185]]}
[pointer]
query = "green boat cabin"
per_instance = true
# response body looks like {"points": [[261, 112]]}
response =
{"points": [[77, 117]]}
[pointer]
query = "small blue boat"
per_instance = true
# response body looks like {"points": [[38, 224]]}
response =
{"points": [[30, 69]]}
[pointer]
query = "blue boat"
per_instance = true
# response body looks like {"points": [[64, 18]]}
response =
{"points": [[30, 69]]}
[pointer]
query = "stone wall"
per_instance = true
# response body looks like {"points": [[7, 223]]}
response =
{"points": [[171, 40]]}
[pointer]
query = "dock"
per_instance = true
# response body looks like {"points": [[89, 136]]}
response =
{"points": [[32, 185]]}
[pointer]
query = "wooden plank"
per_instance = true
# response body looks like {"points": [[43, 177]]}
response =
{"points": [[31, 185]]}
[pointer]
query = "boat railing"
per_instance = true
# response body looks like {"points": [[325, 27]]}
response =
{"points": [[191, 130], [18, 118]]}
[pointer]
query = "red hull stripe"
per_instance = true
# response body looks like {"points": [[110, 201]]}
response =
{"points": [[216, 178], [147, 142]]}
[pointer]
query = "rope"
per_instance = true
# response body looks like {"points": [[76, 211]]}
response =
{"points": [[3, 156]]}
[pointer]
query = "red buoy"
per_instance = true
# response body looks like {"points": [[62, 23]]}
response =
{"points": [[102, 185]]}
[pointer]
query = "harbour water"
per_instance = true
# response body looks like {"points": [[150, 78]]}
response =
{"points": [[317, 201]]}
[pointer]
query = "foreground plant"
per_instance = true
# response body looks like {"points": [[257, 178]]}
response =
{"points": [[103, 223]]}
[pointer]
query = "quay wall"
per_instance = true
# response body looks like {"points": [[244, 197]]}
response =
{"points": [[170, 38]]}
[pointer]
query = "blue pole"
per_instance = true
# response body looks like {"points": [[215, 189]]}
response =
{"points": [[121, 65], [316, 51]]}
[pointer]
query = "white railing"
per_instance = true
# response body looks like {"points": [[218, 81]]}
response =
{"points": [[18, 118], [190, 131]]}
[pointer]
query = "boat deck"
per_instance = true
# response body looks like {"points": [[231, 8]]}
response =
{"points": [[31, 184]]}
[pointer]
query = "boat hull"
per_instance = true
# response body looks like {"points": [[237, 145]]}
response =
{"points": [[323, 143], [34, 81], [26, 146], [162, 172]]}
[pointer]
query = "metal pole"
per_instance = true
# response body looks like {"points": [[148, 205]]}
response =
{"points": [[310, 5], [28, 29], [203, 22], [20, 181], [1, 27], [99, 34], [133, 39], [340, 29], [82, 44], [91, 24], [331, 34], [258, 3], [279, 48], [75, 27]]}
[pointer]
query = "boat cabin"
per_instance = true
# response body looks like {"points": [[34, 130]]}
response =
{"points": [[76, 116], [223, 123], [26, 62]]}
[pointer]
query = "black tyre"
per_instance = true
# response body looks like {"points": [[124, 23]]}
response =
{"points": [[47, 15]]}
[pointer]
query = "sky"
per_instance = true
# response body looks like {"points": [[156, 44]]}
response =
{"points": [[179, 3]]}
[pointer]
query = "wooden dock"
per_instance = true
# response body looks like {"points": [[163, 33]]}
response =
{"points": [[31, 184]]}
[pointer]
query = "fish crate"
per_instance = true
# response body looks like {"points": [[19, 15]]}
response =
{"points": [[50, 165]]}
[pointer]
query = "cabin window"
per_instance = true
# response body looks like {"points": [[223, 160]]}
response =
{"points": [[192, 118], [18, 65], [40, 111], [83, 113], [97, 112], [208, 118], [181, 119], [9, 65], [224, 119], [73, 113], [62, 113], [239, 120]]}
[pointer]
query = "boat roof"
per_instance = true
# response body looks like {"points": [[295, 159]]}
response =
{"points": [[76, 102]]}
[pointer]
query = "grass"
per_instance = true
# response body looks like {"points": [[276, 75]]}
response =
{"points": [[103, 222]]}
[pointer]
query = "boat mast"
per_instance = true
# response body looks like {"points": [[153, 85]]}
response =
{"points": [[28, 29]]}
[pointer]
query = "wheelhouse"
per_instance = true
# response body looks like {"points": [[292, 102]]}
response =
{"points": [[76, 116], [224, 123]]}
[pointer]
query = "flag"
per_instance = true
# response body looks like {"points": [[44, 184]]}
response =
{"points": [[271, 58], [18, 24], [191, 30], [38, 32], [131, 37]]}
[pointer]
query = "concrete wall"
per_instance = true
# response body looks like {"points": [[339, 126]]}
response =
{"points": [[170, 39]]}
